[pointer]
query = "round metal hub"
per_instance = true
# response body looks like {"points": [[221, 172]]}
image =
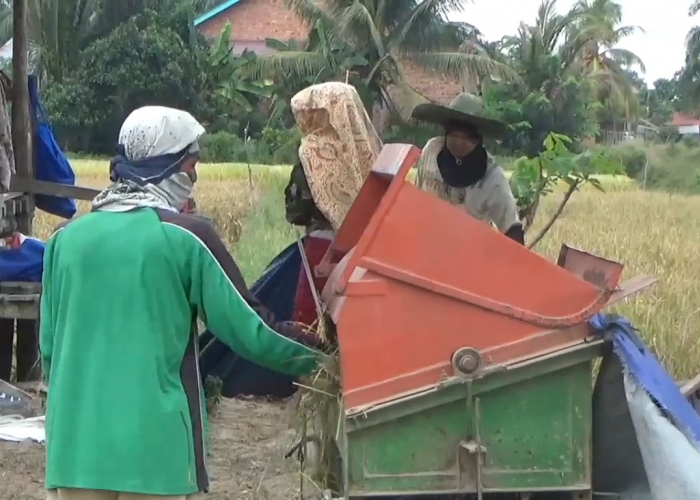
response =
{"points": [[466, 361]]}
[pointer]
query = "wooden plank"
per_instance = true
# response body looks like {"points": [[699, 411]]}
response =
{"points": [[691, 386], [27, 309], [20, 299], [34, 186], [20, 287]]}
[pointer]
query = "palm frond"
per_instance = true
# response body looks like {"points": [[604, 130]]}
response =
{"points": [[466, 67], [356, 23], [624, 57], [403, 99], [425, 28], [309, 11], [694, 8], [295, 65]]}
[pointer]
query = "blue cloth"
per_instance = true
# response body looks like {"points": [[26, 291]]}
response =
{"points": [[50, 163], [147, 171], [24, 263], [647, 371], [275, 290]]}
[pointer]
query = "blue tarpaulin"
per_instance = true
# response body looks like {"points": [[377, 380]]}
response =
{"points": [[645, 432], [275, 290], [641, 364]]}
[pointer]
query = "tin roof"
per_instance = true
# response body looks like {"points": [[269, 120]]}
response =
{"points": [[680, 120], [215, 11]]}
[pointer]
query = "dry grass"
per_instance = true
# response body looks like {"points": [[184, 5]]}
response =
{"points": [[652, 233]]}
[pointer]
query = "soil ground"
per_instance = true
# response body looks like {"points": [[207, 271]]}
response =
{"points": [[247, 443]]}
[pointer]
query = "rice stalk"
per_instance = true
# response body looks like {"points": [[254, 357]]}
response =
{"points": [[318, 412]]}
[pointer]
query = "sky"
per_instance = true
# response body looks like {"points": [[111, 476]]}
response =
{"points": [[661, 46]]}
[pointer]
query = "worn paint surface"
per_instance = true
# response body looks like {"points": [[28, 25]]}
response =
{"points": [[535, 427]]}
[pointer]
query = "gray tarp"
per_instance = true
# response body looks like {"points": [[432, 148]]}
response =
{"points": [[638, 453]]}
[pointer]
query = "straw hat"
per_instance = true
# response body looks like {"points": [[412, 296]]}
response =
{"points": [[465, 108]]}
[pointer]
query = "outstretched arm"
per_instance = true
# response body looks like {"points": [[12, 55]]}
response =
{"points": [[502, 207], [222, 300]]}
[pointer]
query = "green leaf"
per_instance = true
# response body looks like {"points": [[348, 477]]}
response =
{"points": [[549, 142], [353, 61], [596, 184], [275, 44]]}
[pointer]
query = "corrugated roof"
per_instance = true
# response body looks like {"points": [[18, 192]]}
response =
{"points": [[215, 12], [681, 120]]}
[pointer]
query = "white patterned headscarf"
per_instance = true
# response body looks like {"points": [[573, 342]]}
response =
{"points": [[156, 131], [154, 143]]}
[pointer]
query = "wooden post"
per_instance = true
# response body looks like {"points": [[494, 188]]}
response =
{"points": [[20, 107], [26, 350]]}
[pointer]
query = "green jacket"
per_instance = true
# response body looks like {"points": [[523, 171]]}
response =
{"points": [[118, 338]]}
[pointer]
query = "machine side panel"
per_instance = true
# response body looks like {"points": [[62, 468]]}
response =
{"points": [[537, 433], [534, 435]]}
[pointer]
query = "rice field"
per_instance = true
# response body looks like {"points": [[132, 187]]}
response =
{"points": [[651, 233]]}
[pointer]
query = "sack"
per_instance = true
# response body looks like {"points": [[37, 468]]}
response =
{"points": [[22, 259], [50, 163], [275, 290]]}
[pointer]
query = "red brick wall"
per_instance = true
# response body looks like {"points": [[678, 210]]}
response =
{"points": [[433, 86], [254, 20]]}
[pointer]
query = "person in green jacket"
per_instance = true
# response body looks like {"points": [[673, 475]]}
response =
{"points": [[123, 287]]}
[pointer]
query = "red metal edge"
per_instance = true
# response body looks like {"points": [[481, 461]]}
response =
{"points": [[411, 157]]}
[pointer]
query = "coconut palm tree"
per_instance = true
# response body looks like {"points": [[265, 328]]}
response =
{"points": [[599, 29], [689, 79], [693, 38], [385, 34], [545, 53], [582, 43]]}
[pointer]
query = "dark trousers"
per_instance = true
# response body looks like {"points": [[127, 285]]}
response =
{"points": [[26, 349]]}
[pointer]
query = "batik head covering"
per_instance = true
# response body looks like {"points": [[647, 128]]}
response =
{"points": [[339, 145]]}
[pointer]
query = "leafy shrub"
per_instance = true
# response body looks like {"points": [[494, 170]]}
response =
{"points": [[273, 147], [632, 157], [674, 168]]}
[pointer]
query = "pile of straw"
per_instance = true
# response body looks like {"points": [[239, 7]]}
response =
{"points": [[318, 418]]}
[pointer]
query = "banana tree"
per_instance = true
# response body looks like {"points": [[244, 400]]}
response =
{"points": [[228, 75], [294, 65]]}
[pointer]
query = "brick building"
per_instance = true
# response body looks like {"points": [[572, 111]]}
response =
{"points": [[253, 21]]}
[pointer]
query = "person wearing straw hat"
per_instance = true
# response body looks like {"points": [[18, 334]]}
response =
{"points": [[457, 168]]}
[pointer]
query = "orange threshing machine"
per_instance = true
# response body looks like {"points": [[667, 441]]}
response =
{"points": [[466, 359]]}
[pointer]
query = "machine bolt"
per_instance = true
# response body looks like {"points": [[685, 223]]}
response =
{"points": [[466, 361]]}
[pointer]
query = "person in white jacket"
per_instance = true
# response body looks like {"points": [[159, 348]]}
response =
{"points": [[457, 168]]}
